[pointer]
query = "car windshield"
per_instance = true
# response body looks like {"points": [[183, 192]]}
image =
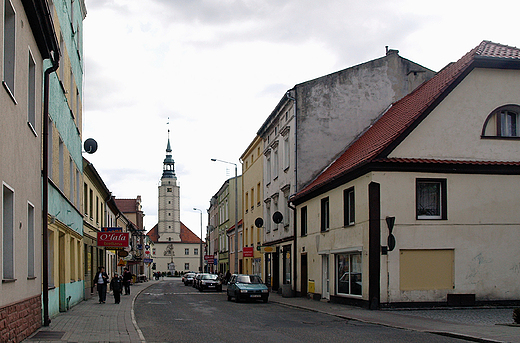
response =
{"points": [[210, 277], [249, 279]]}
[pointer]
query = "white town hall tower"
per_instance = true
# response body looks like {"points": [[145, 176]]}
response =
{"points": [[175, 247]]}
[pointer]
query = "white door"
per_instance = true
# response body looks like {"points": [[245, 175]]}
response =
{"points": [[325, 282]]}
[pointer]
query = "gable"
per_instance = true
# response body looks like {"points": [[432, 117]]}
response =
{"points": [[452, 131]]}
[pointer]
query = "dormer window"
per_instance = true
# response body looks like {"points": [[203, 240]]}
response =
{"points": [[503, 123]]}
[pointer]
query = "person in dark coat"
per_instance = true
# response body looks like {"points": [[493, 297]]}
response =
{"points": [[116, 285], [127, 277], [101, 280]]}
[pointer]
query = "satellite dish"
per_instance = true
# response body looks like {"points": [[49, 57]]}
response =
{"points": [[90, 146], [259, 222], [277, 217]]}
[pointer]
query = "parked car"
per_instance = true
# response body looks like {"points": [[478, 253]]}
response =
{"points": [[187, 279], [242, 287], [210, 281]]}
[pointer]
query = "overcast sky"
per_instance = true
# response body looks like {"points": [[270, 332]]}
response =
{"points": [[217, 68]]}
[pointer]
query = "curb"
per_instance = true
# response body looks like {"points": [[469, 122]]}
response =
{"points": [[134, 321]]}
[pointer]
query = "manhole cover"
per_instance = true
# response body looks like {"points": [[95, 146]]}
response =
{"points": [[47, 335]]}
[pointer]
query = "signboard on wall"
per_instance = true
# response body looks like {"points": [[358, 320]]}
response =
{"points": [[111, 229], [247, 252], [113, 239]]}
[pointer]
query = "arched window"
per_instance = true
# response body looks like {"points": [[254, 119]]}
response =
{"points": [[504, 122]]}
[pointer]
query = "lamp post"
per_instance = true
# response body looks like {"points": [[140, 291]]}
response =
{"points": [[200, 252], [236, 211]]}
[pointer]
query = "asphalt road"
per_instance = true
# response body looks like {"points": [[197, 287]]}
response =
{"points": [[171, 312]]}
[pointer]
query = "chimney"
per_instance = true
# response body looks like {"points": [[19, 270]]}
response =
{"points": [[391, 51]]}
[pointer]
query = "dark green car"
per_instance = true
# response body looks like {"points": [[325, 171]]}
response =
{"points": [[242, 287]]}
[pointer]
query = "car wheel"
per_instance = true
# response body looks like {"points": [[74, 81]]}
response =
{"points": [[237, 298], [219, 289], [201, 289], [229, 298], [265, 300]]}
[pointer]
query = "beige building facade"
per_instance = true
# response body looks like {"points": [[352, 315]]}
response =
{"points": [[422, 208]]}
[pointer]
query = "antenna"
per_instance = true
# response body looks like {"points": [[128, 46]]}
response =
{"points": [[90, 146]]}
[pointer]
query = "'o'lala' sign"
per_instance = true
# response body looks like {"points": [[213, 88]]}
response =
{"points": [[113, 239]]}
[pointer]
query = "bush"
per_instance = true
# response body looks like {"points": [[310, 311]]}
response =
{"points": [[516, 315]]}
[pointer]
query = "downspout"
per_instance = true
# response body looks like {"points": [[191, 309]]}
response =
{"points": [[295, 257], [295, 242], [45, 190]]}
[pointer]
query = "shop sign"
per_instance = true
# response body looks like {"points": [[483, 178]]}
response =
{"points": [[247, 252], [268, 249], [113, 239], [208, 257]]}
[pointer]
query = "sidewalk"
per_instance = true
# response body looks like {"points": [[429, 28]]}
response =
{"points": [[477, 325], [90, 321]]}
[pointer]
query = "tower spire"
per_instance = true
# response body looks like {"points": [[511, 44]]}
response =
{"points": [[169, 163]]}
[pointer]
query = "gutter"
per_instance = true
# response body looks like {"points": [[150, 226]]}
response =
{"points": [[45, 176]]}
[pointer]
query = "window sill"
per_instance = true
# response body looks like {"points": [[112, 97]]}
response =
{"points": [[9, 92], [31, 278], [286, 170], [514, 138], [8, 280], [32, 129]]}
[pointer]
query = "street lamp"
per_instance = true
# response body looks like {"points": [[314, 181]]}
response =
{"points": [[200, 252], [236, 211]]}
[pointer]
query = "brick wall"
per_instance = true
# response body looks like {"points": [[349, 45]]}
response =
{"points": [[20, 320]]}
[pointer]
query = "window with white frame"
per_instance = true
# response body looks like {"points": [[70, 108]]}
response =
{"points": [[503, 122], [9, 46], [325, 219], [195, 251], [30, 240], [286, 153], [31, 93], [61, 152], [186, 251], [348, 207], [7, 233], [349, 274], [431, 199], [186, 266], [275, 163], [303, 221], [268, 169]]}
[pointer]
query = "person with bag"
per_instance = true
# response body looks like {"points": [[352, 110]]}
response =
{"points": [[127, 277], [101, 280], [116, 285]]}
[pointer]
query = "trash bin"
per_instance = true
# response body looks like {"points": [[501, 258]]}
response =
{"points": [[286, 290]]}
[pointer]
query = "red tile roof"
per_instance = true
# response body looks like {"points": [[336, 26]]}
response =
{"points": [[405, 113], [127, 205], [187, 236]]}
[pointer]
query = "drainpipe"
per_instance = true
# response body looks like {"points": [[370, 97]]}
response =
{"points": [[45, 191], [295, 257]]}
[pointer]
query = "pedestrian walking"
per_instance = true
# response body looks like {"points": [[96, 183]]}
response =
{"points": [[116, 285], [127, 277], [101, 280]]}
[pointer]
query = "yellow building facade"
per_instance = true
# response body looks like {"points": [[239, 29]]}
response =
{"points": [[252, 188]]}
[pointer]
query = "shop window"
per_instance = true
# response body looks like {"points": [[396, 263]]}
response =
{"points": [[349, 274]]}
